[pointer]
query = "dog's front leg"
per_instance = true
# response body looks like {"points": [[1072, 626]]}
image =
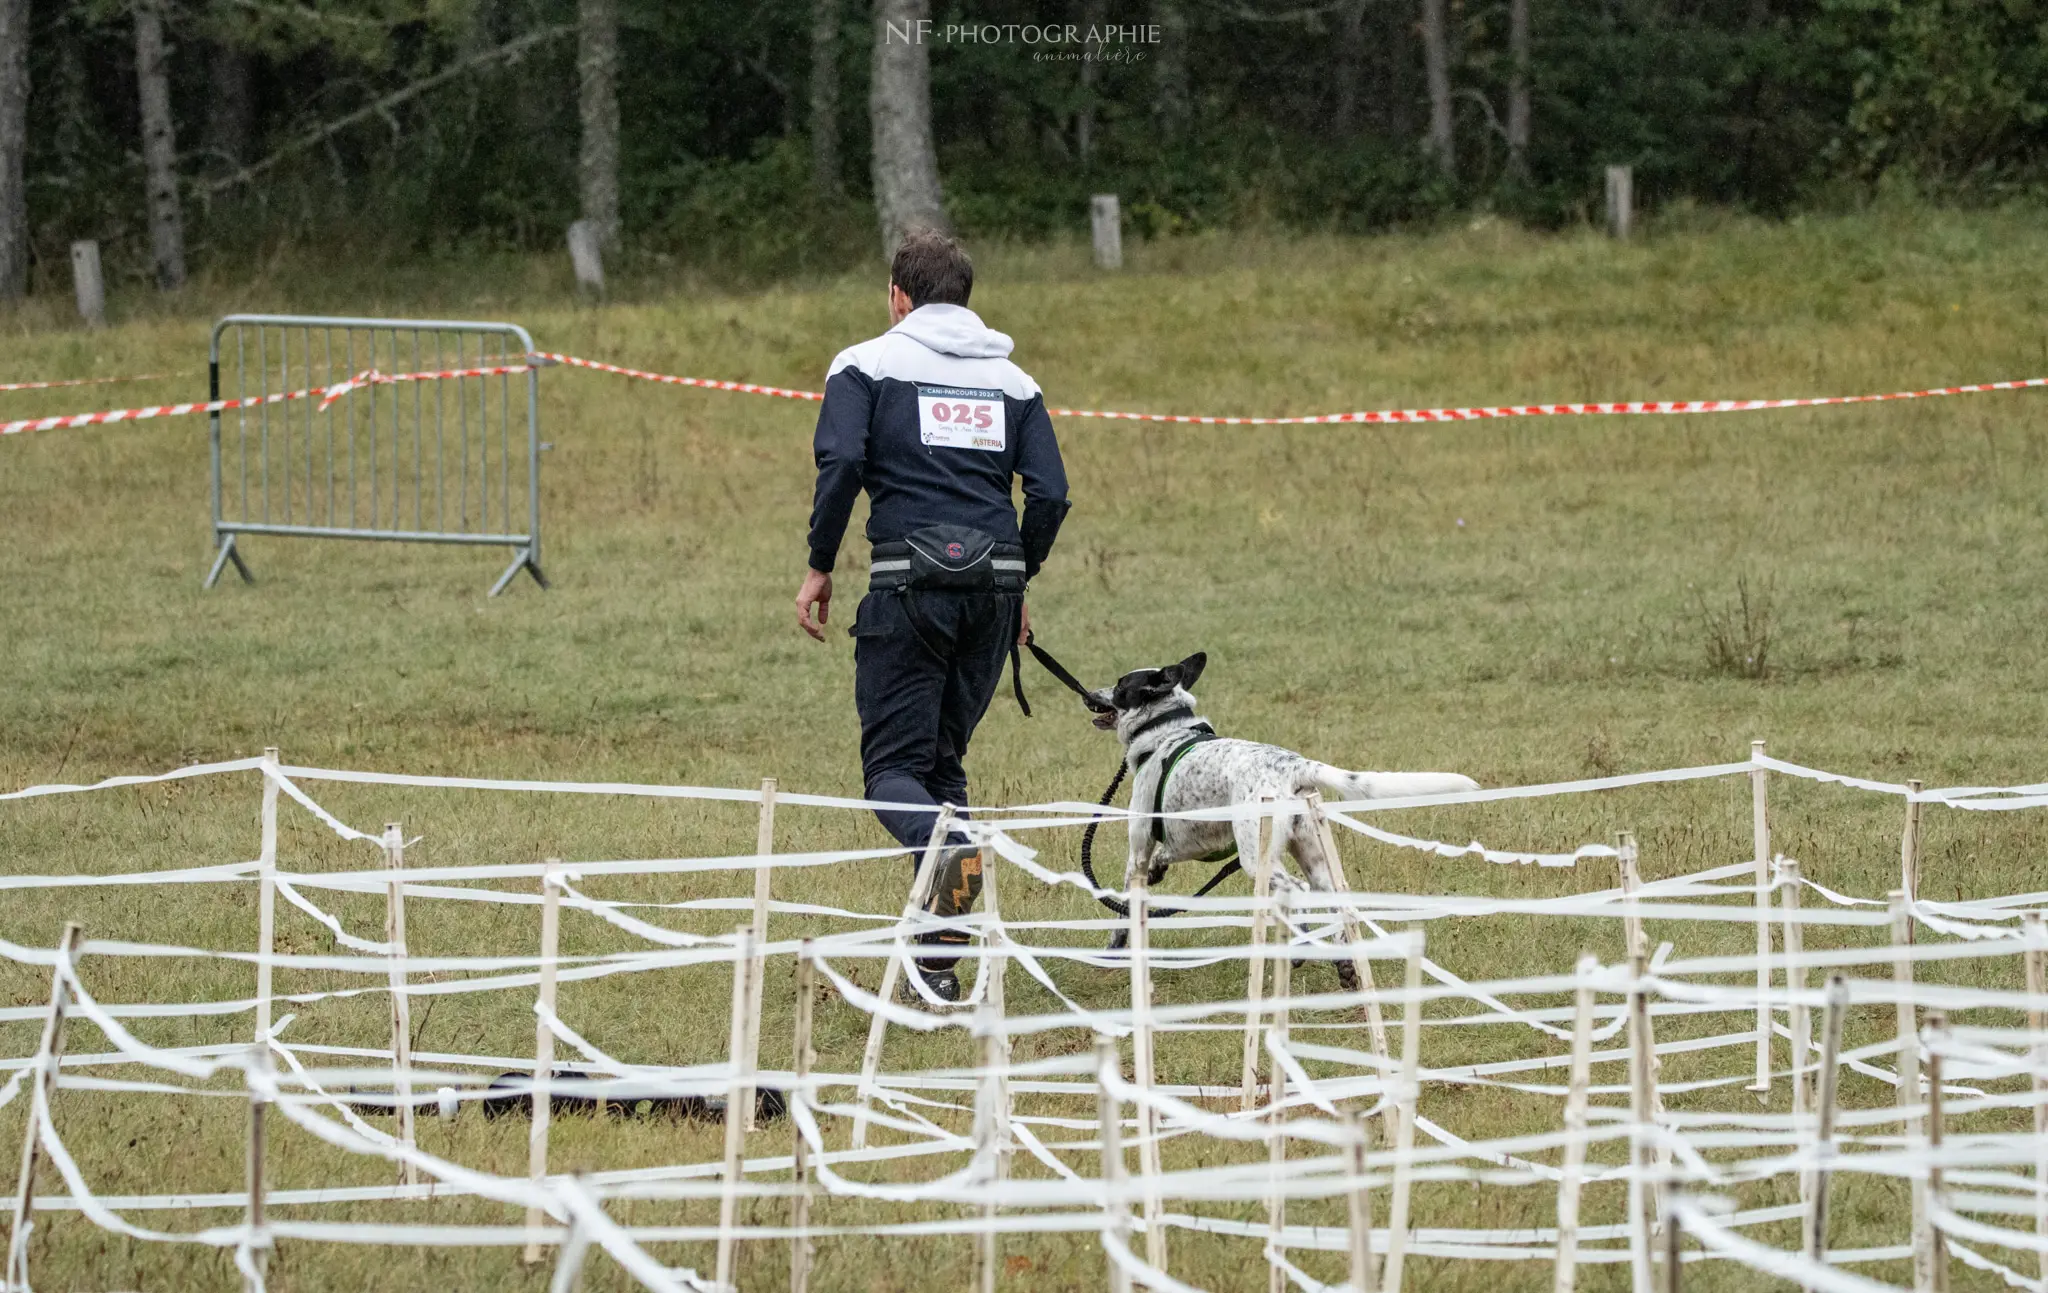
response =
{"points": [[1138, 862]]}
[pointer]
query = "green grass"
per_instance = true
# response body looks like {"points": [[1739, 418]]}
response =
{"points": [[1523, 601]]}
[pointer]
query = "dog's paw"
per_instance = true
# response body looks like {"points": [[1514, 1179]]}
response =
{"points": [[1347, 976], [1156, 874], [1119, 940]]}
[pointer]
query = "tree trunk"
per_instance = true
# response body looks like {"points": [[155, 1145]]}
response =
{"points": [[906, 165], [1350, 68], [13, 149], [1092, 17], [227, 110], [1518, 88], [825, 176], [1436, 64], [159, 147], [597, 75], [1171, 65]]}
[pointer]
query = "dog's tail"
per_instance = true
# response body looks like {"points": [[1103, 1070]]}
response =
{"points": [[1341, 783]]}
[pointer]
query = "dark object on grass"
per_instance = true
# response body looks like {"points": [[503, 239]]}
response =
{"points": [[769, 1103]]}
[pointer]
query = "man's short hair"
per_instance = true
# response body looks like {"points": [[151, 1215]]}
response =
{"points": [[932, 269]]}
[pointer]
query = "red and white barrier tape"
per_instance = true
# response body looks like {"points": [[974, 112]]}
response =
{"points": [[328, 394], [87, 381]]}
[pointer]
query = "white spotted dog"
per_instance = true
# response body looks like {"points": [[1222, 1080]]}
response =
{"points": [[1152, 712]]}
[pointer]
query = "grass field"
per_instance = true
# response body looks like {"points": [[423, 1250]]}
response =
{"points": [[1523, 601]]}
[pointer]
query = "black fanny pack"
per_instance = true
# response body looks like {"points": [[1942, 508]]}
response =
{"points": [[948, 558]]}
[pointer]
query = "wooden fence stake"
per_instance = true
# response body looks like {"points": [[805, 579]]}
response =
{"points": [[1361, 965], [1106, 229], [259, 1234], [401, 1004], [892, 970], [1909, 853], [1276, 1115], [1143, 1065], [1109, 1123], [49, 1054], [1255, 978], [995, 947], [736, 1089], [990, 1128], [801, 1249], [1565, 1275], [87, 284], [1760, 834], [266, 880], [764, 848], [1363, 1278], [1794, 940], [1410, 1097], [1937, 1239], [2037, 1024], [1674, 1246], [543, 1053], [1621, 202], [1909, 1076], [1631, 880], [1824, 1140], [1642, 1058]]}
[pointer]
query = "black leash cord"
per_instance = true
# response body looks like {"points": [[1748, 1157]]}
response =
{"points": [[1118, 905]]}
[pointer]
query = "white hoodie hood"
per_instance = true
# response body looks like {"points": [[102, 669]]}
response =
{"points": [[945, 345], [954, 330]]}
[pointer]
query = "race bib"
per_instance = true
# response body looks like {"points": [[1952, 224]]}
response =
{"points": [[955, 417]]}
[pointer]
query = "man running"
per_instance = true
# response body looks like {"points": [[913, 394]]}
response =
{"points": [[933, 421]]}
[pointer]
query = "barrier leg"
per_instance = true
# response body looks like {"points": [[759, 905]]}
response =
{"points": [[227, 553]]}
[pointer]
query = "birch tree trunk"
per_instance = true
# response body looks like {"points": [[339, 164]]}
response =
{"points": [[1171, 68], [1518, 88], [159, 147], [1350, 67], [597, 75], [825, 98], [905, 163], [13, 149], [1436, 64]]}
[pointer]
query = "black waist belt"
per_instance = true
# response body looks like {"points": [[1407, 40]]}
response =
{"points": [[895, 566]]}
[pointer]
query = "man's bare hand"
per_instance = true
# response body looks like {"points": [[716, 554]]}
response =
{"points": [[816, 591], [1024, 624]]}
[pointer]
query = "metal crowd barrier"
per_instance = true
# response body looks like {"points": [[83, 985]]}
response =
{"points": [[455, 460]]}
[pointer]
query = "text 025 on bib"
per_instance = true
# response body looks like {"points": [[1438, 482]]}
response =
{"points": [[958, 417]]}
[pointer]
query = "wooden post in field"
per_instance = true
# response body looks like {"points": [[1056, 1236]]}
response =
{"points": [[2037, 1024], [1638, 943], [1410, 1097], [1106, 227], [401, 1005], [892, 970], [995, 947], [1361, 965], [586, 255], [1143, 1065], [1572, 1182], [1363, 1278], [266, 887], [1276, 1115], [990, 1131], [1824, 1139], [801, 1249], [259, 1234], [1909, 1075], [1642, 1059], [736, 1088], [1794, 941], [1255, 978], [49, 1054], [764, 848], [1909, 852], [1621, 202], [1937, 1239], [87, 283], [1674, 1245], [1109, 1125], [1760, 834], [543, 1053]]}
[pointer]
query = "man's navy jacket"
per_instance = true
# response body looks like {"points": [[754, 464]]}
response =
{"points": [[933, 420]]}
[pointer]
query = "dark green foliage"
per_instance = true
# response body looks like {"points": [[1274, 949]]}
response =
{"points": [[1757, 104]]}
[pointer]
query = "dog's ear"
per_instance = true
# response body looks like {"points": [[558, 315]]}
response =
{"points": [[1187, 671]]}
